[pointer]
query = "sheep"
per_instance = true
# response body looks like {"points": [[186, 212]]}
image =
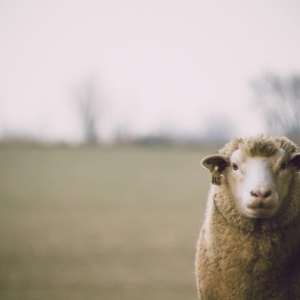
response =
{"points": [[249, 244]]}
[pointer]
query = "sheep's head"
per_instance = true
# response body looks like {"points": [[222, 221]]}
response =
{"points": [[259, 172]]}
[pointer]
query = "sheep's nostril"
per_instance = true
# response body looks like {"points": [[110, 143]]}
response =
{"points": [[254, 194], [261, 194], [267, 194]]}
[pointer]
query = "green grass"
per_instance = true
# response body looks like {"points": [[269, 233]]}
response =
{"points": [[100, 223]]}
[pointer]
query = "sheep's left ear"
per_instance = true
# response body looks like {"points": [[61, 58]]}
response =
{"points": [[215, 164], [295, 161]]}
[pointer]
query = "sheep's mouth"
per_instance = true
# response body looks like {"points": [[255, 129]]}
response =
{"points": [[260, 211], [260, 206]]}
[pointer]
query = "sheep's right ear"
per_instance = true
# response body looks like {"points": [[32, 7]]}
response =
{"points": [[215, 164], [210, 162]]}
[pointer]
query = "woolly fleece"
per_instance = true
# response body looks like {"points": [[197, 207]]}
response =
{"points": [[239, 258]]}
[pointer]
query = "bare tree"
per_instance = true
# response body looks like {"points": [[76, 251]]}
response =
{"points": [[88, 107], [279, 101]]}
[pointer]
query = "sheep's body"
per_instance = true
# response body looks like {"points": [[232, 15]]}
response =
{"points": [[247, 262], [244, 258]]}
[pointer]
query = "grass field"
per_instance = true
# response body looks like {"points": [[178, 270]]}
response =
{"points": [[100, 223]]}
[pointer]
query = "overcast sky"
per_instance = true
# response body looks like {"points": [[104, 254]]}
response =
{"points": [[159, 64]]}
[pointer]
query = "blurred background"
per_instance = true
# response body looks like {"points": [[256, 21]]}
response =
{"points": [[106, 110]]}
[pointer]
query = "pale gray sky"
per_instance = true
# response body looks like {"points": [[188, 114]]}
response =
{"points": [[160, 64]]}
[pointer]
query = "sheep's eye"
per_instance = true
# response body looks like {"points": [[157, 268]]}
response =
{"points": [[283, 166], [235, 166]]}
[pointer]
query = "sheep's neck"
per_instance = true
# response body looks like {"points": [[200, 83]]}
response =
{"points": [[256, 257], [257, 249]]}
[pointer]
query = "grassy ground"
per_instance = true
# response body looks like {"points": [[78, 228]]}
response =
{"points": [[90, 223]]}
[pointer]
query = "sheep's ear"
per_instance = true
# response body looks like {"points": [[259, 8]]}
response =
{"points": [[216, 164], [295, 161], [210, 162]]}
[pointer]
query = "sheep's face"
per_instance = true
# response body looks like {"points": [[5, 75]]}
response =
{"points": [[259, 184]]}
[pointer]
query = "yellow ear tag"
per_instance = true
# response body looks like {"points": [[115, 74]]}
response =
{"points": [[216, 176]]}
